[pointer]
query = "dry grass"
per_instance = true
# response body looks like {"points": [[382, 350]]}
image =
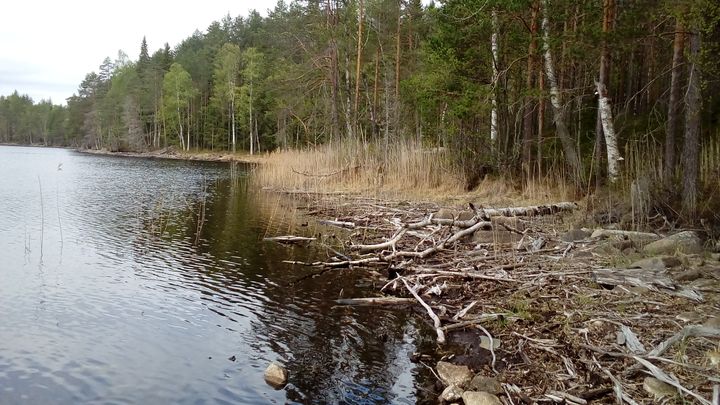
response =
{"points": [[398, 171], [403, 170]]}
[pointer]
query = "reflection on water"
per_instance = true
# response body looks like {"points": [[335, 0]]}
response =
{"points": [[146, 281]]}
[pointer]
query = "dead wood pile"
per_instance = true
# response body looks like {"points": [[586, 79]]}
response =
{"points": [[576, 323]]}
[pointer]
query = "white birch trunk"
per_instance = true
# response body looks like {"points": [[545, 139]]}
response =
{"points": [[495, 53], [606, 118], [252, 148], [232, 117]]}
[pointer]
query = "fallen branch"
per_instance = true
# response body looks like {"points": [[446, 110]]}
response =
{"points": [[436, 320], [288, 239], [376, 301], [340, 224]]}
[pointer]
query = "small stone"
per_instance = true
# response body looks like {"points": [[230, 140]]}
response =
{"points": [[685, 242], [276, 376], [712, 322], [658, 388], [575, 235], [487, 384], [714, 357], [480, 398], [451, 393], [689, 316], [689, 275], [451, 374], [657, 263], [485, 343]]}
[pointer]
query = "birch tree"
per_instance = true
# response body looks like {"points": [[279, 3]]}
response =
{"points": [[177, 92], [604, 106], [495, 73], [226, 73]]}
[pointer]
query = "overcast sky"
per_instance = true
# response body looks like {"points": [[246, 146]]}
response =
{"points": [[47, 46]]}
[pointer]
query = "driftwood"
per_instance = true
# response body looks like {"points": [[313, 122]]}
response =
{"points": [[289, 239], [462, 284], [376, 301], [340, 224]]}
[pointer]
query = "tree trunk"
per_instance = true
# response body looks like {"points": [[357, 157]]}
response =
{"points": [[691, 147], [674, 103], [232, 121], [604, 106], [252, 148], [495, 54], [396, 101], [558, 112], [358, 62], [528, 113]]}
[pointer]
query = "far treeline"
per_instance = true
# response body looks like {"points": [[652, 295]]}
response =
{"points": [[598, 91]]}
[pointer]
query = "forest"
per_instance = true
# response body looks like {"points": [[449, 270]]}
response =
{"points": [[592, 92]]}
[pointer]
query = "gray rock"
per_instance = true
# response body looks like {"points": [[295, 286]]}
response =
{"points": [[658, 388], [451, 393], [276, 375], [480, 398], [712, 322], [637, 237], [685, 242], [485, 343], [657, 263], [451, 374], [688, 275], [487, 384], [689, 316], [575, 235]]}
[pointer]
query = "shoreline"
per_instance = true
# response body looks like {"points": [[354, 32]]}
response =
{"points": [[173, 154]]}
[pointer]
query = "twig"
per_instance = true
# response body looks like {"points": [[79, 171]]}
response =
{"points": [[436, 320], [490, 346]]}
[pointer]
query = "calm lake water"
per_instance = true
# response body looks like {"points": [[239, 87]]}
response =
{"points": [[128, 280]]}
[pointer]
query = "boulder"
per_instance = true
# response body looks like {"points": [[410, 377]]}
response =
{"points": [[575, 235], [688, 275], [684, 242], [657, 263], [640, 238], [451, 374], [276, 375], [480, 398], [487, 384], [451, 393]]}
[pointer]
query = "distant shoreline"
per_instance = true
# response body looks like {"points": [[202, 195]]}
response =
{"points": [[173, 154]]}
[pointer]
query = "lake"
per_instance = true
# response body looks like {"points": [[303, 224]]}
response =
{"points": [[126, 280]]}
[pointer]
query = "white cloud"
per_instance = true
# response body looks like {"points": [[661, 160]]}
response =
{"points": [[47, 46]]}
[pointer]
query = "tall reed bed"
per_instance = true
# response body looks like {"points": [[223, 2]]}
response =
{"points": [[401, 169]]}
